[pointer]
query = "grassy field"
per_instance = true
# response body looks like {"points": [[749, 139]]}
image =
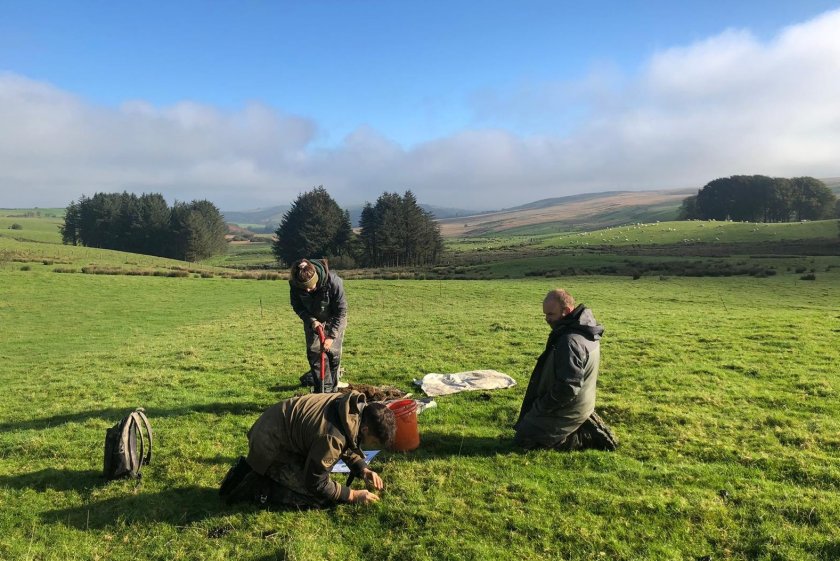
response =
{"points": [[35, 225], [695, 231], [723, 392], [245, 255]]}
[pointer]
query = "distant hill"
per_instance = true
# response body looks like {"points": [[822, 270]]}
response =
{"points": [[589, 211], [265, 218], [832, 183], [270, 218]]}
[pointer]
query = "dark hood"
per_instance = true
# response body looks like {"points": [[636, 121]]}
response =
{"points": [[350, 408], [580, 321]]}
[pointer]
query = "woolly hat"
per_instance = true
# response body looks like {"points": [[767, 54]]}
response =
{"points": [[304, 275]]}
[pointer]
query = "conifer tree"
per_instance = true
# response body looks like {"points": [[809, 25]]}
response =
{"points": [[315, 226]]}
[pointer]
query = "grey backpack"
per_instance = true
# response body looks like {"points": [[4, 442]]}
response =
{"points": [[125, 448]]}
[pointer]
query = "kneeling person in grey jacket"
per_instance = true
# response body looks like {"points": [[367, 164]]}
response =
{"points": [[294, 444]]}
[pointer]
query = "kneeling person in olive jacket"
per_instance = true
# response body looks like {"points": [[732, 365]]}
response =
{"points": [[294, 445], [559, 407]]}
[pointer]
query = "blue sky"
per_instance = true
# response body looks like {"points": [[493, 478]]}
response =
{"points": [[471, 104]]}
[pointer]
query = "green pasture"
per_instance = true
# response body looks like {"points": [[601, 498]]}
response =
{"points": [[572, 264], [32, 212], [621, 215], [57, 258], [256, 254], [695, 231], [34, 228], [489, 243], [723, 392]]}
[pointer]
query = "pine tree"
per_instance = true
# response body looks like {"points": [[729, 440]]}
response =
{"points": [[315, 226], [397, 232]]}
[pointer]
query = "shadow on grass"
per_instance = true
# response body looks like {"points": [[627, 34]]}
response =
{"points": [[282, 388], [446, 445], [55, 479], [179, 506], [114, 414]]}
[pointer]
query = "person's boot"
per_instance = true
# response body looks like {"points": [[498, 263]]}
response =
{"points": [[340, 384], [244, 484], [602, 437], [578, 440], [308, 379], [234, 477]]}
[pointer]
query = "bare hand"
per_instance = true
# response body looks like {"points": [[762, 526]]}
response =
{"points": [[315, 325], [372, 478], [328, 343], [363, 497]]}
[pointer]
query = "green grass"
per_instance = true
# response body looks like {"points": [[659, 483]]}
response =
{"points": [[257, 254], [38, 229], [32, 212], [696, 231], [619, 216], [724, 394]]}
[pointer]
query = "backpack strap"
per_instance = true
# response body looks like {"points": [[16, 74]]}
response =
{"points": [[139, 413], [129, 425]]}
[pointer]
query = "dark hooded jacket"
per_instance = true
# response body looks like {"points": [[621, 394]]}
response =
{"points": [[561, 392], [326, 303], [313, 431]]}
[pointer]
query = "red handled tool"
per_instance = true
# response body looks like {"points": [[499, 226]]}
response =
{"points": [[322, 337]]}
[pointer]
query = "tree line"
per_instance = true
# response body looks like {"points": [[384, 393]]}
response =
{"points": [[758, 198], [395, 231], [145, 224]]}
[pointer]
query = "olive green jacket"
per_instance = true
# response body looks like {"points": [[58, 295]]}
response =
{"points": [[561, 392], [312, 431]]}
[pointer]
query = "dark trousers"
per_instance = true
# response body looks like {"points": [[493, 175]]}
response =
{"points": [[594, 434], [282, 486], [332, 361]]}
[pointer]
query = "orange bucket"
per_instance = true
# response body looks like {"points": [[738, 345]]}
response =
{"points": [[408, 437]]}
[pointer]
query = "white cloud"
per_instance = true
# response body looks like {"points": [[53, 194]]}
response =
{"points": [[725, 105]]}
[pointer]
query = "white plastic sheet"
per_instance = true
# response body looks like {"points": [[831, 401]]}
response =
{"points": [[445, 384]]}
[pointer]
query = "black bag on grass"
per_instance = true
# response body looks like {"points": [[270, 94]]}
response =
{"points": [[125, 449]]}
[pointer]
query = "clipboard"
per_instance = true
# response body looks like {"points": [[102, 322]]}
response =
{"points": [[341, 467]]}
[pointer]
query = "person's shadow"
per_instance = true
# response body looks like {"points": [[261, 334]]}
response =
{"points": [[115, 414], [54, 479], [180, 505], [434, 444], [177, 506]]}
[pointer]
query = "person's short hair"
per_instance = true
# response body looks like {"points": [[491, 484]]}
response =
{"points": [[303, 274], [559, 295], [381, 422]]}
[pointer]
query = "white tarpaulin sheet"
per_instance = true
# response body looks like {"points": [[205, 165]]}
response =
{"points": [[445, 384]]}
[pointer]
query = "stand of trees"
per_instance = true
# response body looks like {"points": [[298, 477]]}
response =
{"points": [[397, 232], [758, 198], [394, 232], [315, 227], [145, 224]]}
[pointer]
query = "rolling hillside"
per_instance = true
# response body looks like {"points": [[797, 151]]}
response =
{"points": [[270, 218], [579, 212], [587, 211]]}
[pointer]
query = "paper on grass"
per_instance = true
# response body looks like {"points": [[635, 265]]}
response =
{"points": [[341, 467]]}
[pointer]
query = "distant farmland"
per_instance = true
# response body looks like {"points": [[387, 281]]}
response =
{"points": [[571, 213]]}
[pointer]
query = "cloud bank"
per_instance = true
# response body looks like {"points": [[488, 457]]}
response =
{"points": [[729, 104]]}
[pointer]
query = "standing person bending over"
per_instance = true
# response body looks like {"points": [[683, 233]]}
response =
{"points": [[294, 444], [559, 407], [317, 296]]}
